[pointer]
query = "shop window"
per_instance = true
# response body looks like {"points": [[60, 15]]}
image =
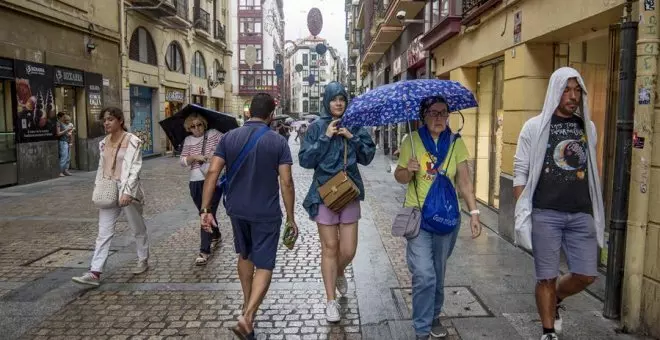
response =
{"points": [[305, 106], [7, 139], [142, 48], [198, 65], [174, 58]]}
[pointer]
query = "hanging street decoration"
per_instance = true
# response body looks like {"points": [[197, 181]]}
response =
{"points": [[299, 67], [314, 21], [321, 49], [250, 55], [311, 80]]}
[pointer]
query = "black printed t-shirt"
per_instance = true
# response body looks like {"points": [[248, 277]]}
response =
{"points": [[564, 181]]}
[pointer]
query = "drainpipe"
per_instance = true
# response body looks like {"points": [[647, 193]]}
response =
{"points": [[624, 129], [640, 183], [123, 75]]}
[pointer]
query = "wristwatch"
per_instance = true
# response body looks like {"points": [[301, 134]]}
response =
{"points": [[475, 212], [204, 211]]}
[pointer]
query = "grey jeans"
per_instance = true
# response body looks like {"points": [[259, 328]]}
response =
{"points": [[575, 233]]}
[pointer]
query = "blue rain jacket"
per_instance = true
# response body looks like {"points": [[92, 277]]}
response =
{"points": [[326, 155]]}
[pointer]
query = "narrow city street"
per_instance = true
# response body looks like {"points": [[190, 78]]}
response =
{"points": [[48, 231]]}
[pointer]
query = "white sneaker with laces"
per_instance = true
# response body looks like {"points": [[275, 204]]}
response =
{"points": [[332, 311], [550, 336], [87, 279], [342, 285], [141, 267]]}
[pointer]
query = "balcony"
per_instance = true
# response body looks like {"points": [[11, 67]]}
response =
{"points": [[474, 9], [250, 10], [359, 23], [154, 8], [250, 38], [219, 31], [411, 7], [202, 20], [252, 82], [446, 23]]}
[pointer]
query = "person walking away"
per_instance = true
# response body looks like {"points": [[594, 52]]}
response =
{"points": [[120, 160], [63, 134], [559, 200], [427, 253], [323, 150], [196, 154], [254, 157]]}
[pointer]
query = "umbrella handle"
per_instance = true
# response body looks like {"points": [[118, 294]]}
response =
{"points": [[412, 145]]}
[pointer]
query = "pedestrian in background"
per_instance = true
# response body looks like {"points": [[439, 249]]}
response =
{"points": [[196, 154], [323, 150], [63, 134], [255, 158], [427, 253], [120, 161], [559, 198]]}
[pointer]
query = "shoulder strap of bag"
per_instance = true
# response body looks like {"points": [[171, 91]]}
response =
{"points": [[345, 154], [252, 142], [203, 147], [114, 160]]}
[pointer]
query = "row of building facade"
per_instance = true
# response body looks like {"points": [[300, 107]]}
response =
{"points": [[505, 52], [149, 57]]}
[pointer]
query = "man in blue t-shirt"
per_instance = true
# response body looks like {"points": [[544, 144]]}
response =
{"points": [[253, 202]]}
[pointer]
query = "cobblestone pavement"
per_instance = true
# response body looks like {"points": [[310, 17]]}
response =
{"points": [[49, 230]]}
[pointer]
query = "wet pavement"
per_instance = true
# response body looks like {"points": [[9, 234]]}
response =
{"points": [[48, 232]]}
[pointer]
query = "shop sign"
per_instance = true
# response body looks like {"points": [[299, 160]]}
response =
{"points": [[94, 92], [35, 112], [174, 95], [416, 53], [6, 68], [65, 76]]}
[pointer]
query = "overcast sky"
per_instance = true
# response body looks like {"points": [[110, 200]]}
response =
{"points": [[334, 21]]}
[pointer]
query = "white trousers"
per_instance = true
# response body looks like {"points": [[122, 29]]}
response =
{"points": [[107, 221]]}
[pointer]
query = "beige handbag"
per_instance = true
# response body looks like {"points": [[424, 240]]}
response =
{"points": [[339, 190], [106, 193]]}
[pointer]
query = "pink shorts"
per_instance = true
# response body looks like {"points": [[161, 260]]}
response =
{"points": [[350, 214]]}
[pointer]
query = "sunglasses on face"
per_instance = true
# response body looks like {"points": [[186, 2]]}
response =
{"points": [[436, 114], [194, 126]]}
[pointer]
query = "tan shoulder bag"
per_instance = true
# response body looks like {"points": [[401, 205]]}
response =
{"points": [[339, 190]]}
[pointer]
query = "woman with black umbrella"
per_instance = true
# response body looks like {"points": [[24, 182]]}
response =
{"points": [[196, 154]]}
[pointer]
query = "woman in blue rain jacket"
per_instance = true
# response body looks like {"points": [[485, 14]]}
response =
{"points": [[323, 151]]}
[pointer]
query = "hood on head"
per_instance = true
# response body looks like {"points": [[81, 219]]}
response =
{"points": [[556, 87], [332, 90]]}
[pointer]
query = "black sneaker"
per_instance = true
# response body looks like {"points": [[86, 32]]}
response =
{"points": [[438, 330]]}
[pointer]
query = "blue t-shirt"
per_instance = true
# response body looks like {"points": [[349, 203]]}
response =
{"points": [[253, 193]]}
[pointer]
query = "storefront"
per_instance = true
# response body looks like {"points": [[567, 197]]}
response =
{"points": [[199, 96], [174, 101], [141, 116], [8, 167], [69, 97]]}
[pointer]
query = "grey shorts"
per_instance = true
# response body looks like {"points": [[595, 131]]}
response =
{"points": [[575, 233]]}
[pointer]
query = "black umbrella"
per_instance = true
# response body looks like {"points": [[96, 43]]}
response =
{"points": [[176, 132], [281, 117]]}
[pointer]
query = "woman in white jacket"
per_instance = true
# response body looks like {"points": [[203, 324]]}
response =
{"points": [[120, 160]]}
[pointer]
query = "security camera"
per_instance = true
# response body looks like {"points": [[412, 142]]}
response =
{"points": [[401, 15]]}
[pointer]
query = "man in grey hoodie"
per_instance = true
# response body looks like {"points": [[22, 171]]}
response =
{"points": [[559, 200]]}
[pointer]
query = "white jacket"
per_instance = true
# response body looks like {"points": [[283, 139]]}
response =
{"points": [[130, 170], [530, 154]]}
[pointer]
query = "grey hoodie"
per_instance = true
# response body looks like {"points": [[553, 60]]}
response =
{"points": [[530, 153]]}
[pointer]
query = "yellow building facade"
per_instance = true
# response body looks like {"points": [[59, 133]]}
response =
{"points": [[505, 54]]}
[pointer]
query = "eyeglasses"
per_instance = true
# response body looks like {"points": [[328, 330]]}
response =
{"points": [[194, 126], [436, 114]]}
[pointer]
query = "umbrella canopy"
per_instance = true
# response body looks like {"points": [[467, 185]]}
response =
{"points": [[299, 123], [175, 131], [281, 117], [401, 101], [312, 117]]}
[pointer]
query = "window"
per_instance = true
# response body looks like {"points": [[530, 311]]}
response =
{"points": [[250, 25], [141, 47], [314, 56], [314, 106], [242, 54], [249, 5], [174, 58], [305, 90], [314, 91], [305, 59], [305, 74], [439, 11], [305, 106], [198, 65]]}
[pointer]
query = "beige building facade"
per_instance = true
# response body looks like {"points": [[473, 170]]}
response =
{"points": [[175, 54]]}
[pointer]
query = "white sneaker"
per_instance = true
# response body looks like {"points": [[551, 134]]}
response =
{"points": [[549, 336], [342, 285], [87, 279], [558, 319], [332, 311], [141, 267]]}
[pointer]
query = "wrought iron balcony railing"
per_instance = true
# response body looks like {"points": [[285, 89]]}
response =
{"points": [[219, 31], [181, 8], [202, 19]]}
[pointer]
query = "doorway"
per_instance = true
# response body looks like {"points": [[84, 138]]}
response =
{"points": [[141, 123], [66, 98]]}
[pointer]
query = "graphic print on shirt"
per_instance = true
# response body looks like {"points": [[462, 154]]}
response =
{"points": [[566, 157], [429, 173]]}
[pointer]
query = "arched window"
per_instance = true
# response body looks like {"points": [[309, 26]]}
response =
{"points": [[174, 58], [198, 65], [142, 48]]}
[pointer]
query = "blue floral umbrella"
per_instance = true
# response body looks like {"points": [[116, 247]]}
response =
{"points": [[400, 102]]}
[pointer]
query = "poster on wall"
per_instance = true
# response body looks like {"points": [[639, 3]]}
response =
{"points": [[94, 99], [35, 113], [141, 124]]}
